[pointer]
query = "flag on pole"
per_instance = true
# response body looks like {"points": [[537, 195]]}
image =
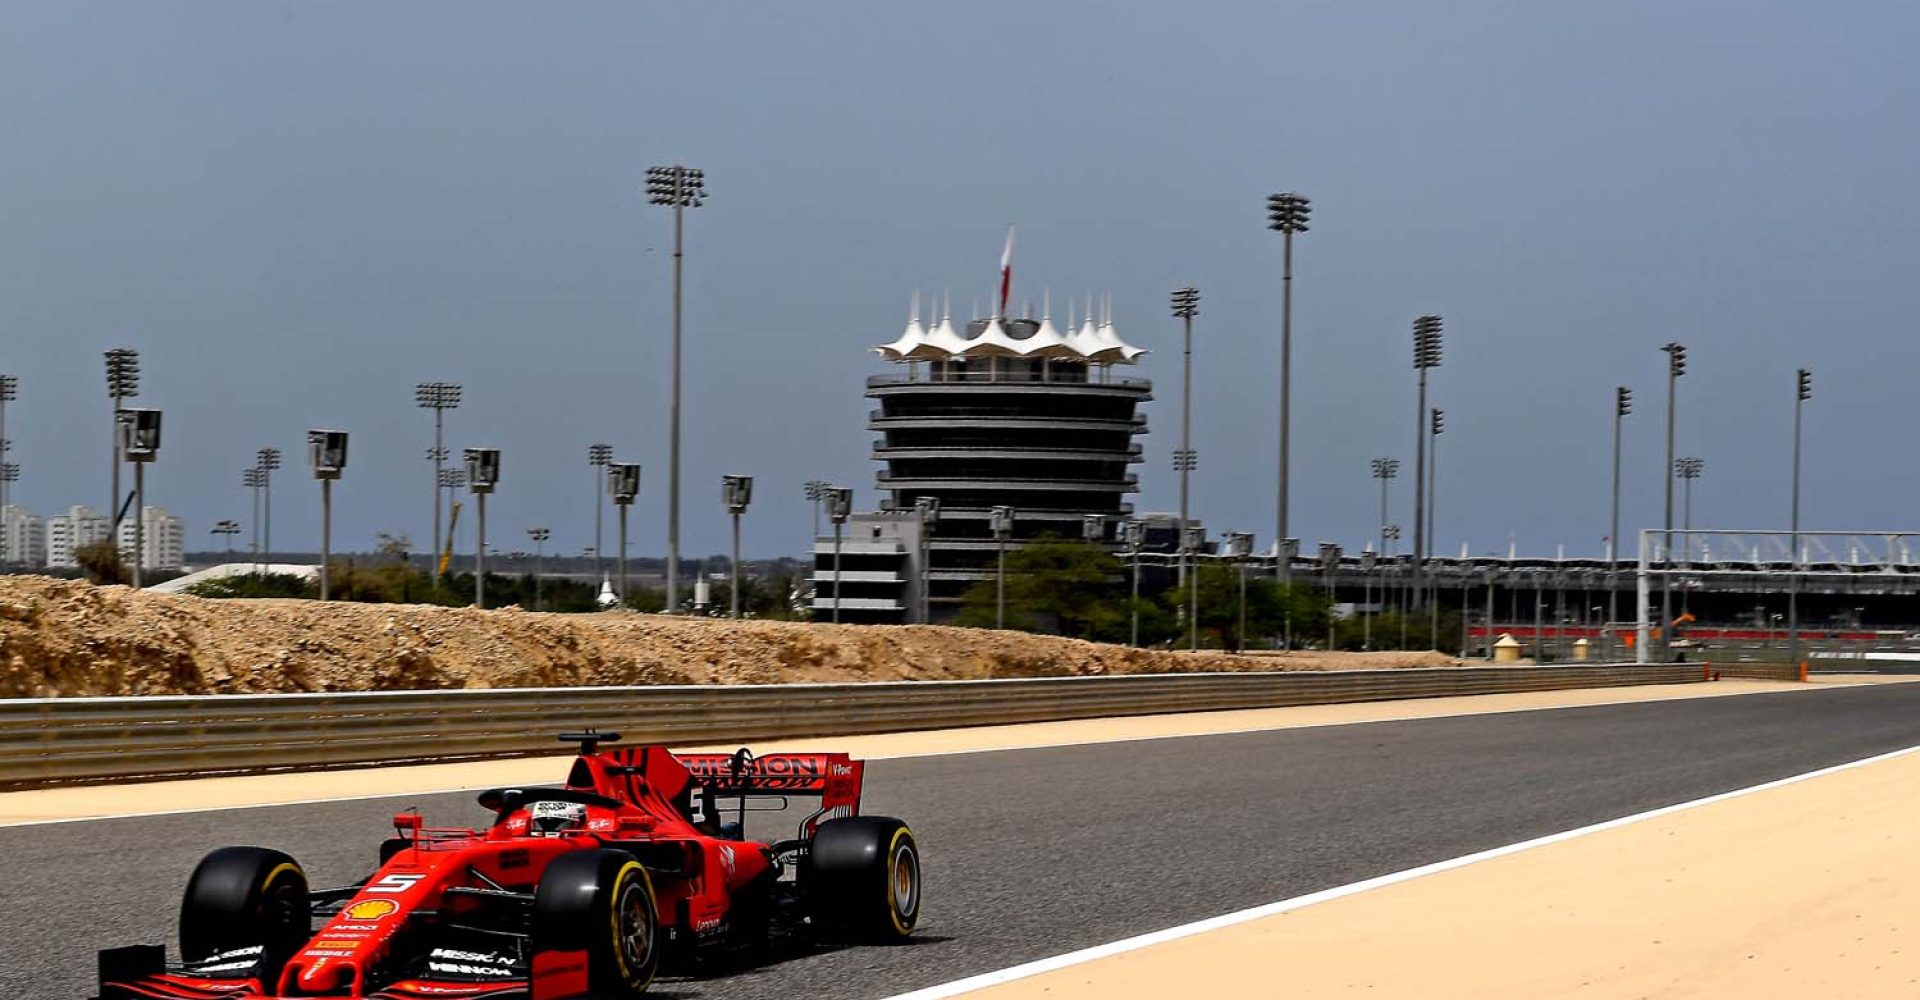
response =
{"points": [[1006, 271]]}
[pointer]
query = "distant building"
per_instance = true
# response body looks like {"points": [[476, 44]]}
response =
{"points": [[23, 538], [1012, 412], [165, 540], [67, 532]]}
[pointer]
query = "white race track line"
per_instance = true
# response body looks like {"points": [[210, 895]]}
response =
{"points": [[910, 755], [1072, 958]]}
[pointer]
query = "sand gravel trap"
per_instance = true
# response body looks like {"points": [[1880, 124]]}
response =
{"points": [[64, 638]]}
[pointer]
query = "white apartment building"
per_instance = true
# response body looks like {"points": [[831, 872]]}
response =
{"points": [[23, 537], [165, 540], [79, 526]]}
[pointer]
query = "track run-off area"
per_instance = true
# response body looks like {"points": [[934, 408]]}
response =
{"points": [[1042, 841]]}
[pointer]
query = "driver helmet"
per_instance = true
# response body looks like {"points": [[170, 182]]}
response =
{"points": [[555, 818]]}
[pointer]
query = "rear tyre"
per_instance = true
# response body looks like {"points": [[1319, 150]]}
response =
{"points": [[864, 873], [600, 901], [245, 913]]}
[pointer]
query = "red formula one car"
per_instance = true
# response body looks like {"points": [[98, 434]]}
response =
{"points": [[576, 891]]}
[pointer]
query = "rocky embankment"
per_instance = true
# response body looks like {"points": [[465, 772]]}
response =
{"points": [[66, 638]]}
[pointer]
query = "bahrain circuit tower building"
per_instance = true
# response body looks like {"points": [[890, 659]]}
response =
{"points": [[1012, 412]]}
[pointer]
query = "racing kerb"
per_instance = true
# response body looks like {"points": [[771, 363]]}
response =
{"points": [[48, 740]]}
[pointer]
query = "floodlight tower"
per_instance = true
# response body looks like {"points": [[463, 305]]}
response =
{"points": [[1385, 470], [327, 453], [140, 443], [1802, 391], [839, 508], [9, 391], [1000, 520], [268, 462], [539, 536], [483, 474], [1287, 214], [1622, 405], [255, 480], [123, 382], [817, 492], [1426, 355], [598, 455], [1136, 537], [928, 509], [227, 528], [679, 188], [438, 397], [1186, 305], [623, 481], [1437, 426], [1676, 367], [737, 492]]}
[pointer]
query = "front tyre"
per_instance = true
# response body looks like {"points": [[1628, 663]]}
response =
{"points": [[600, 901], [245, 913], [864, 872]]}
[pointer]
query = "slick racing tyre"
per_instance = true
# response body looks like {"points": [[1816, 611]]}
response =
{"points": [[864, 873], [601, 902], [245, 913]]}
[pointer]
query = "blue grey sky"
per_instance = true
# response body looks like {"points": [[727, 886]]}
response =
{"points": [[298, 210]]}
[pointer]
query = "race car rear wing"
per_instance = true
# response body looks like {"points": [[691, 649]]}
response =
{"points": [[835, 777]]}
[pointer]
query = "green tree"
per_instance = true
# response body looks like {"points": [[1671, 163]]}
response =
{"points": [[102, 563], [1272, 609], [1054, 586]]}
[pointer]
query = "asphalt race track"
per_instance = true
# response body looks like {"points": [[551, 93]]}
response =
{"points": [[1035, 852]]}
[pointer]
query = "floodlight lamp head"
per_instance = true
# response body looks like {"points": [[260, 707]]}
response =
{"points": [[1186, 302], [737, 492]]}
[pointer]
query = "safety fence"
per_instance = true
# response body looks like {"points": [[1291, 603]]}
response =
{"points": [[58, 740]]}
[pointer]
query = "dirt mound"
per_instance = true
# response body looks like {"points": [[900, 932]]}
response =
{"points": [[63, 638]]}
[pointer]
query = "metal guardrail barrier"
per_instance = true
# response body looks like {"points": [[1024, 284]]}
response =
{"points": [[57, 740]]}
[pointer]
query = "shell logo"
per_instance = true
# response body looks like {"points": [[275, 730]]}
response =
{"points": [[371, 909]]}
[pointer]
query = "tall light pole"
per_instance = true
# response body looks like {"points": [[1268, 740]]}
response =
{"points": [[737, 491], [140, 443], [1392, 534], [1676, 367], [1186, 305], [327, 453], [123, 382], [598, 455], [1287, 214], [438, 397], [1000, 521], [539, 536], [1686, 471], [817, 492], [1437, 427], [839, 508], [1802, 391], [1426, 355], [1193, 539], [483, 474], [1238, 546], [679, 188], [228, 528], [1136, 536], [9, 391], [623, 481], [268, 461], [1330, 564], [1384, 469], [928, 509], [255, 480], [1622, 405]]}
